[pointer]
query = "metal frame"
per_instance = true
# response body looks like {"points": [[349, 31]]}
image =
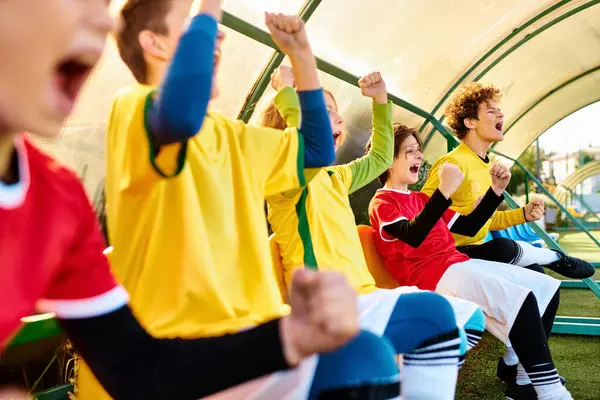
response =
{"points": [[544, 97], [262, 82], [514, 47]]}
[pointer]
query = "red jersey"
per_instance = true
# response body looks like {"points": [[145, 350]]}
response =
{"points": [[51, 246], [422, 266]]}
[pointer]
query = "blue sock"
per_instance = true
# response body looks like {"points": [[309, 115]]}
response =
{"points": [[474, 328], [365, 368]]}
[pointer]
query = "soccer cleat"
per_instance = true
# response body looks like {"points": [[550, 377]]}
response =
{"points": [[508, 373], [571, 267], [520, 392]]}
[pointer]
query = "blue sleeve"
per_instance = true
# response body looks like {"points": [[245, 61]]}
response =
{"points": [[316, 130], [178, 112]]}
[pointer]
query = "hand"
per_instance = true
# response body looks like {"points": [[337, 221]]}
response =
{"points": [[210, 7], [534, 210], [450, 179], [477, 202], [500, 178], [288, 33], [13, 393], [372, 85], [324, 315], [282, 77]]}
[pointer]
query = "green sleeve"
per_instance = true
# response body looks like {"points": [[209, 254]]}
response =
{"points": [[367, 168], [288, 105]]}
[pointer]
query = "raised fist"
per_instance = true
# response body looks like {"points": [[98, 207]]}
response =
{"points": [[324, 314], [372, 85], [450, 179], [534, 210], [282, 77], [288, 33], [500, 178]]}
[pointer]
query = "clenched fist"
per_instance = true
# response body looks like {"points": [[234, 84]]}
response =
{"points": [[282, 77], [373, 86], [324, 314], [534, 210], [500, 178], [450, 179], [288, 33]]}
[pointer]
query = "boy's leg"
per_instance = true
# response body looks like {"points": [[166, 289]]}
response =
{"points": [[365, 368], [525, 255], [420, 325], [508, 297]]}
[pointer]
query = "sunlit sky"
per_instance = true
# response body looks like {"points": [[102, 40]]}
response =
{"points": [[575, 132]]}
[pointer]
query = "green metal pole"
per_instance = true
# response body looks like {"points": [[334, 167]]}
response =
{"points": [[263, 37], [526, 190], [262, 82]]}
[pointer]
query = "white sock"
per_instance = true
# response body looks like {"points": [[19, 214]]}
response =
{"points": [[510, 357], [522, 377], [529, 254], [546, 382], [430, 372]]}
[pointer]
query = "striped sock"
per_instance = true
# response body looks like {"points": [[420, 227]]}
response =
{"points": [[473, 337], [474, 328], [430, 372], [546, 382]]}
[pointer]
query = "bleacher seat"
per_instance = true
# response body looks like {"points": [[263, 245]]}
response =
{"points": [[382, 277]]}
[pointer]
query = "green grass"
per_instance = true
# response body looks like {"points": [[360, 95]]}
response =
{"points": [[576, 357]]}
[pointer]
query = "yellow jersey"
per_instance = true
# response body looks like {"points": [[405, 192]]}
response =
{"points": [[477, 181], [187, 224], [316, 226]]}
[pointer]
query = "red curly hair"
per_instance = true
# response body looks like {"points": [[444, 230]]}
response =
{"points": [[465, 104]]}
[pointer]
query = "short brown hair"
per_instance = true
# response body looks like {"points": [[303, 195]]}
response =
{"points": [[137, 16], [401, 133], [466, 103]]}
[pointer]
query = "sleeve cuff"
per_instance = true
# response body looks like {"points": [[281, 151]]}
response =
{"points": [[270, 339]]}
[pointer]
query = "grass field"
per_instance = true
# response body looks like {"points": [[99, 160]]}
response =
{"points": [[576, 357]]}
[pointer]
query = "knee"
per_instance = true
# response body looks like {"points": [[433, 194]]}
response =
{"points": [[366, 359], [505, 250], [435, 309], [536, 268]]}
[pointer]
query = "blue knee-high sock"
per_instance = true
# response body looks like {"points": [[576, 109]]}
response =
{"points": [[365, 368], [474, 328], [423, 328]]}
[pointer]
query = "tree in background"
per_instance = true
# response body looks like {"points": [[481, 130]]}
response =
{"points": [[516, 186]]}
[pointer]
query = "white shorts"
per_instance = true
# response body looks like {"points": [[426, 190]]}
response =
{"points": [[499, 289], [285, 385], [376, 308]]}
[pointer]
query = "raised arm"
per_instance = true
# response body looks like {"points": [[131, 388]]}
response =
{"points": [[179, 109], [289, 34], [381, 151]]}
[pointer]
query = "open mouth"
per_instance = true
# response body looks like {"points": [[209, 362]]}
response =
{"points": [[336, 136], [70, 76], [415, 168], [499, 126]]}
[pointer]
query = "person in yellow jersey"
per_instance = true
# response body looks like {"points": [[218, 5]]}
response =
{"points": [[315, 226], [475, 116], [183, 193]]}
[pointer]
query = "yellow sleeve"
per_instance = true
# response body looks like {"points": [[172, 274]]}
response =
{"points": [[505, 219], [276, 157], [344, 172], [130, 149]]}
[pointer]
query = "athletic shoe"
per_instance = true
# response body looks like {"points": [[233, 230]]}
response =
{"points": [[571, 267], [520, 392], [508, 373]]}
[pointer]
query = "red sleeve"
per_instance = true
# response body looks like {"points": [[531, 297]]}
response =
{"points": [[385, 211], [83, 286]]}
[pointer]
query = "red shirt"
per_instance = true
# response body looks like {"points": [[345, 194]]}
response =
{"points": [[422, 266], [51, 246]]}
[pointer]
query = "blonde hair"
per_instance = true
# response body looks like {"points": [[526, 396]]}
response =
{"points": [[271, 118]]}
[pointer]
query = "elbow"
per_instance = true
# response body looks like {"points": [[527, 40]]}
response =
{"points": [[177, 128]]}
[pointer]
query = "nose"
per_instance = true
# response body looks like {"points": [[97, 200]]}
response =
{"points": [[220, 36]]}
